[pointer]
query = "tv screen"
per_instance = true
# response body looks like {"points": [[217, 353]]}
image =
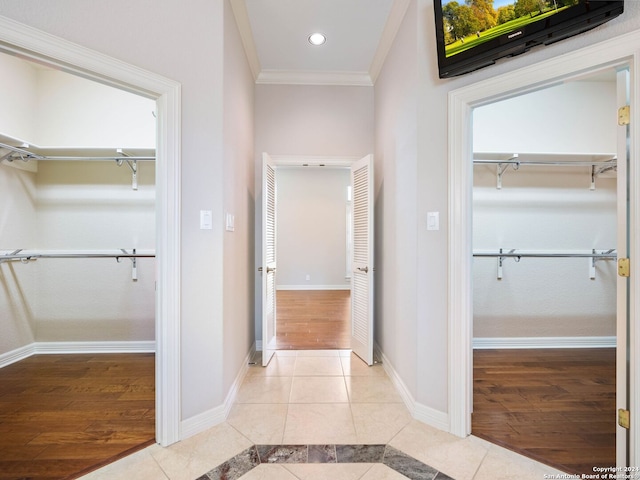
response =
{"points": [[472, 34]]}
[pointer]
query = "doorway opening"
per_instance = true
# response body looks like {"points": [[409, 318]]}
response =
{"points": [[25, 42], [462, 105], [357, 241], [313, 281], [545, 226]]}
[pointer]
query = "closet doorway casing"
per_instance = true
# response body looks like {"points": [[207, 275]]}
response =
{"points": [[29, 43], [620, 52]]}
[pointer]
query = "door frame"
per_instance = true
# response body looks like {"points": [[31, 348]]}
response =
{"points": [[622, 50], [28, 42], [344, 161]]}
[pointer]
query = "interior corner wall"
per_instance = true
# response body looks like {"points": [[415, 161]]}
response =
{"points": [[239, 201], [17, 283], [396, 203], [17, 97], [314, 120], [433, 179], [184, 43], [312, 228]]}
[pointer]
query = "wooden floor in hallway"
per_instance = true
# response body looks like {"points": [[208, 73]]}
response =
{"points": [[556, 406], [313, 319], [62, 416]]}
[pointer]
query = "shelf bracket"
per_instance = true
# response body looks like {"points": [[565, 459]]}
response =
{"points": [[133, 165], [134, 264], [501, 167]]}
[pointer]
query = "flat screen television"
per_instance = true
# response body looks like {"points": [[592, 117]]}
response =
{"points": [[471, 34]]}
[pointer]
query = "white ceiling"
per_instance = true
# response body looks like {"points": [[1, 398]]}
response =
{"points": [[359, 34]]}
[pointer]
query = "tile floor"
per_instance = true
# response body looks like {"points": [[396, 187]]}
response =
{"points": [[330, 398]]}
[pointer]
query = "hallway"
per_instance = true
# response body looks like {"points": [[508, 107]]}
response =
{"points": [[332, 417]]}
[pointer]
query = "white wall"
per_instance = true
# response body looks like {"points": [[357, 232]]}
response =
{"points": [[239, 200], [19, 83], [92, 206], [311, 227], [40, 104], [396, 203], [308, 120], [17, 283], [546, 209]]}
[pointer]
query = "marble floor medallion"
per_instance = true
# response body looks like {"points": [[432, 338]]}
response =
{"points": [[393, 458]]}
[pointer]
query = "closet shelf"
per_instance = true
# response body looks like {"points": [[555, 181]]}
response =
{"points": [[597, 163], [14, 151], [593, 256]]}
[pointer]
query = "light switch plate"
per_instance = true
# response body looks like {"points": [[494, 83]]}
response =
{"points": [[206, 220], [433, 220]]}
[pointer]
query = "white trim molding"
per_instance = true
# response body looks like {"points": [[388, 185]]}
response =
{"points": [[217, 415], [44, 348], [423, 413], [619, 51], [543, 342], [313, 287], [17, 38]]}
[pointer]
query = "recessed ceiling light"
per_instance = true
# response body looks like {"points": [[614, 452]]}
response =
{"points": [[317, 39]]}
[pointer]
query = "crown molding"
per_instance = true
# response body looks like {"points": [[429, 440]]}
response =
{"points": [[396, 15], [300, 77], [239, 8]]}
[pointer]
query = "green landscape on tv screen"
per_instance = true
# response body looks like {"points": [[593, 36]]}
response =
{"points": [[469, 23]]}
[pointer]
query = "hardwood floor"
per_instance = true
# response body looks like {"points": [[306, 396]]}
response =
{"points": [[554, 405], [62, 416], [313, 319]]}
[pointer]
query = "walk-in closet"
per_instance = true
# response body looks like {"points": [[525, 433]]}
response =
{"points": [[545, 233], [77, 263]]}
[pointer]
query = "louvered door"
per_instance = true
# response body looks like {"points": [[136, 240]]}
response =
{"points": [[268, 259], [362, 261]]}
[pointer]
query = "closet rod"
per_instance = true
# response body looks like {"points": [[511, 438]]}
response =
{"points": [[34, 256], [608, 163], [512, 254], [119, 158], [592, 257]]}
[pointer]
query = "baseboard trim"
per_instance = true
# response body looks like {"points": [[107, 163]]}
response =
{"points": [[420, 412], [544, 342], [313, 287], [215, 416], [43, 348]]}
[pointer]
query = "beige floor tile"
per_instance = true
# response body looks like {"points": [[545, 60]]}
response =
{"points": [[318, 390], [259, 422], [141, 462], [191, 458], [318, 366], [355, 366], [379, 422], [457, 457], [264, 389], [502, 464], [382, 472], [318, 353], [372, 390], [319, 423], [279, 366], [333, 471], [267, 471]]}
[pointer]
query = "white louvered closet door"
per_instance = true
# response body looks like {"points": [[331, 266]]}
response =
{"points": [[362, 261], [268, 259]]}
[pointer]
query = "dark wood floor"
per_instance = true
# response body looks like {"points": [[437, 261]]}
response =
{"points": [[313, 319], [554, 405], [62, 416]]}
